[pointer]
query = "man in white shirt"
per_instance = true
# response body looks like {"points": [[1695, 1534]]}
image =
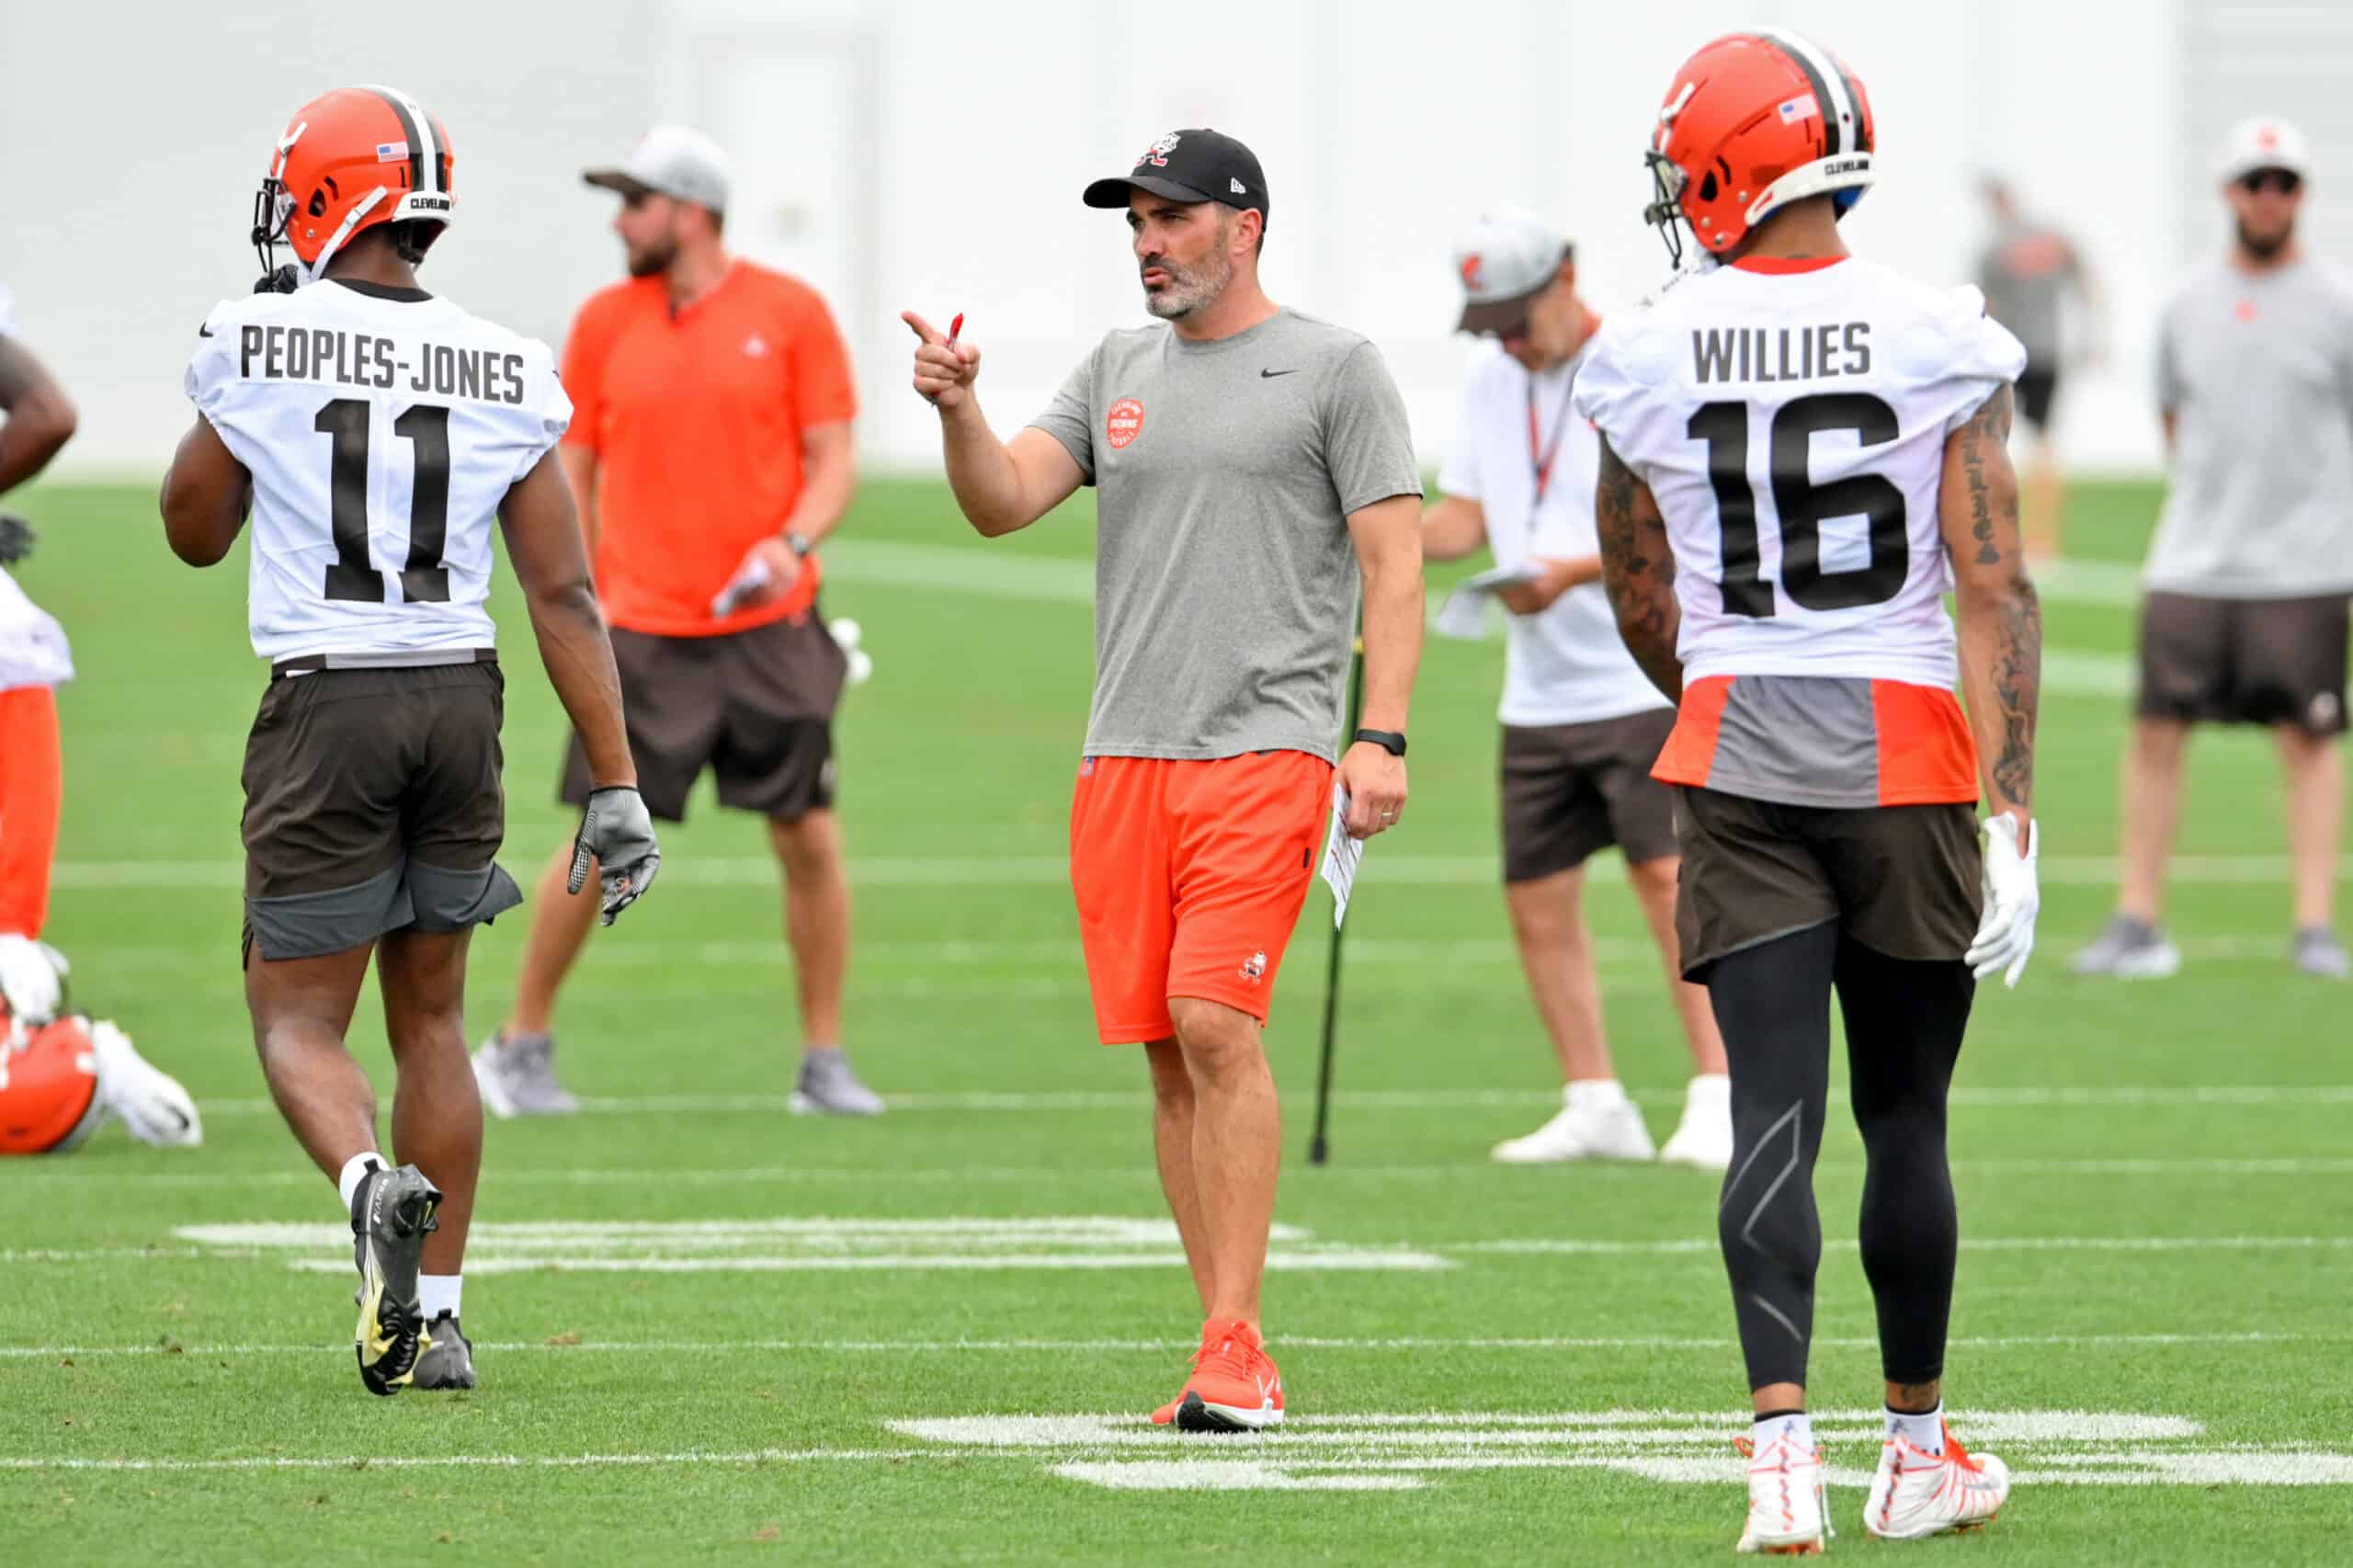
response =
{"points": [[1581, 724]]}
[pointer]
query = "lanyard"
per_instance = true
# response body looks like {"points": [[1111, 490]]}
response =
{"points": [[1540, 457]]}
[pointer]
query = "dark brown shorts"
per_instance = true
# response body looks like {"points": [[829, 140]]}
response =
{"points": [[2244, 661], [755, 707], [1902, 880], [373, 803], [1570, 790]]}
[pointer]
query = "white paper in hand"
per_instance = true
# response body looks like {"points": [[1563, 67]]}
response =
{"points": [[1463, 616], [749, 580], [1342, 854]]}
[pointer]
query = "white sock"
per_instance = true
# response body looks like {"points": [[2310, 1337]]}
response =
{"points": [[355, 1170], [1709, 1089], [439, 1292], [1924, 1432], [1798, 1425], [1595, 1094]]}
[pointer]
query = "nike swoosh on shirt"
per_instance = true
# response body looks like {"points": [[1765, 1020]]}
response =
{"points": [[1270, 374]]}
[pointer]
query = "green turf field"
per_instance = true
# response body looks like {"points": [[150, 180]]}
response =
{"points": [[710, 1332]]}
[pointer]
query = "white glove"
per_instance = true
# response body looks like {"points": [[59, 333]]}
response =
{"points": [[848, 633], [31, 979], [2013, 895], [150, 1100]]}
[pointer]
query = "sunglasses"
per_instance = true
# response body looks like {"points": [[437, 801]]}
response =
{"points": [[2287, 181]]}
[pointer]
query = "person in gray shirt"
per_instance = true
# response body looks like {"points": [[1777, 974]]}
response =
{"points": [[2244, 618], [2027, 272], [1252, 465]]}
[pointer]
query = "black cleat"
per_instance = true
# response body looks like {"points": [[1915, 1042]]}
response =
{"points": [[393, 1212], [448, 1363]]}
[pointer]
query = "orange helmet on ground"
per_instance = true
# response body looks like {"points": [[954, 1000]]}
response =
{"points": [[1755, 121], [48, 1085], [349, 160]]}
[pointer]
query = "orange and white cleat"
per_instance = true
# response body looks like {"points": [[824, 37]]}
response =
{"points": [[1786, 1515], [1916, 1493], [1236, 1386]]}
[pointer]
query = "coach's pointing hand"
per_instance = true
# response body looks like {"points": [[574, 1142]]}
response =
{"points": [[942, 370], [1376, 786]]}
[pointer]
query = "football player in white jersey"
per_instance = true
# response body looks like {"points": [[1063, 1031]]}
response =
{"points": [[1802, 453], [375, 433], [34, 659]]}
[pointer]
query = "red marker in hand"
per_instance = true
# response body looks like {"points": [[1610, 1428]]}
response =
{"points": [[954, 328]]}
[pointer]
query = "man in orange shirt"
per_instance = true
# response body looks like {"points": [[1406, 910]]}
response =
{"points": [[710, 452]]}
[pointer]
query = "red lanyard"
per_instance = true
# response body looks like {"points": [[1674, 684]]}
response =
{"points": [[1540, 458]]}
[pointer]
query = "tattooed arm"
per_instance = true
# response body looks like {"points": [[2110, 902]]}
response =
{"points": [[2000, 619], [1639, 570]]}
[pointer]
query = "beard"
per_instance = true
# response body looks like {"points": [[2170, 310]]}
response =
{"points": [[2263, 247], [654, 259], [1189, 289]]}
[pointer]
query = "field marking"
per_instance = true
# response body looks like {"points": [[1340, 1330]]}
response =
{"points": [[994, 1101], [1355, 1452], [1404, 1346], [1044, 871], [510, 1462], [820, 1244], [1573, 1246]]}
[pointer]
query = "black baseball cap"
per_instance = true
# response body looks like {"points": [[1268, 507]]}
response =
{"points": [[1189, 166]]}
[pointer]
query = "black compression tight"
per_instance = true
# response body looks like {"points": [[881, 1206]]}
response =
{"points": [[1904, 1020]]}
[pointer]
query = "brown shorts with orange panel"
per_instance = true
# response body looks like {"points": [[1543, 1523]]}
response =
{"points": [[1809, 798], [1189, 878]]}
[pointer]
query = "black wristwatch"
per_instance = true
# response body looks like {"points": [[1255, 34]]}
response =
{"points": [[799, 544], [1389, 740]]}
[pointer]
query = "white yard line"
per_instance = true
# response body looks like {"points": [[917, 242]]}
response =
{"points": [[1053, 871], [1570, 1246], [1408, 1346]]}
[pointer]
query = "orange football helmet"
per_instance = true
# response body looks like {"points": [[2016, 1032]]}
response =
{"points": [[1753, 121], [48, 1085], [349, 160]]}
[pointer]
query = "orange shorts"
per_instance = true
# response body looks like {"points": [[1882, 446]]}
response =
{"points": [[1189, 877]]}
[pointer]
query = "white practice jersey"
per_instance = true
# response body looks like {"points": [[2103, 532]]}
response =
{"points": [[1792, 424], [33, 651], [384, 428]]}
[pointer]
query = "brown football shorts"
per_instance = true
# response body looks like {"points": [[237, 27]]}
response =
{"points": [[1571, 791], [2209, 661]]}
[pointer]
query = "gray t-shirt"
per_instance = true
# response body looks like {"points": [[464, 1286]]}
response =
{"points": [[2023, 274], [2258, 370], [1225, 582]]}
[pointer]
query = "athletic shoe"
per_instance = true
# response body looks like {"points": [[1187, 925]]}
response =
{"points": [[829, 1088], [1786, 1517], [516, 1076], [1703, 1138], [1583, 1132], [2318, 951], [1917, 1494], [392, 1213], [449, 1363], [1236, 1386], [2129, 949]]}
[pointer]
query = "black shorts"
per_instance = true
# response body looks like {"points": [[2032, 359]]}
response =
{"points": [[755, 707], [1902, 880], [2244, 661], [2036, 386], [1571, 791], [373, 803]]}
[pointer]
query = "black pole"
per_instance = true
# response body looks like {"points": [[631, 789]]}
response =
{"points": [[1319, 1147]]}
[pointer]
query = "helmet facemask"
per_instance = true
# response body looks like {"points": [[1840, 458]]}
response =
{"points": [[1667, 212], [273, 210]]}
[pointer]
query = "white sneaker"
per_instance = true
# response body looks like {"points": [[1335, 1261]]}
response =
{"points": [[1614, 1132], [1786, 1517], [1917, 1494], [1703, 1138]]}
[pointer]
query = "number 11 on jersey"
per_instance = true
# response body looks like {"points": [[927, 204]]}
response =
{"points": [[423, 579]]}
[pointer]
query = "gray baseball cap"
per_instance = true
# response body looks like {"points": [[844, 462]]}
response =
{"points": [[672, 161], [1504, 262]]}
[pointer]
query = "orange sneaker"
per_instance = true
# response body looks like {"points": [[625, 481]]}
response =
{"points": [[1236, 1385]]}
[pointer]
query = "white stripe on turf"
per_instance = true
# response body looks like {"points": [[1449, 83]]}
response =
{"points": [[1407, 1346], [1707, 1244], [2265, 1095], [1042, 870]]}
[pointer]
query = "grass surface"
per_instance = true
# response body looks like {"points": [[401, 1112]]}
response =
{"points": [[2138, 1245]]}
